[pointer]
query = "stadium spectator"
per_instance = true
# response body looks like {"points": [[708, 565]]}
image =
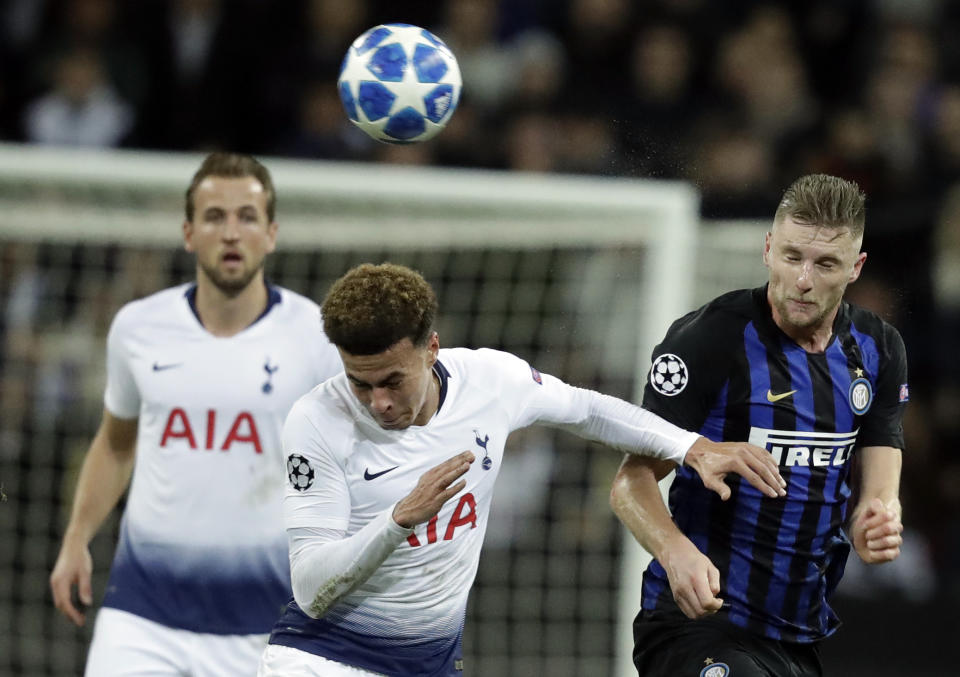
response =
{"points": [[82, 109]]}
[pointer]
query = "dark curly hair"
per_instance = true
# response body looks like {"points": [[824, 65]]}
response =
{"points": [[373, 307]]}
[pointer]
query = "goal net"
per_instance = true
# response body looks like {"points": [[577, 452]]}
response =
{"points": [[580, 276]]}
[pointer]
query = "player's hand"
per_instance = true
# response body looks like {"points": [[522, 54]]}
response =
{"points": [[433, 490], [74, 567], [877, 531], [694, 580], [715, 460]]}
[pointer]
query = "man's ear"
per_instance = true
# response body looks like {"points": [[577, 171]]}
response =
{"points": [[272, 234], [857, 267], [188, 236], [433, 347]]}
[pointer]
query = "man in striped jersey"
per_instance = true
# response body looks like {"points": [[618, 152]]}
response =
{"points": [[820, 384], [391, 469]]}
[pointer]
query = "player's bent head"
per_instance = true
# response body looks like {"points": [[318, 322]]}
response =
{"points": [[373, 307], [231, 166], [824, 200]]}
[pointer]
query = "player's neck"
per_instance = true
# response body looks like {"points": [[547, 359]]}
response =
{"points": [[432, 403], [811, 339], [224, 315]]}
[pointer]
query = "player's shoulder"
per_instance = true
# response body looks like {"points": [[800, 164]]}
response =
{"points": [[488, 371], [325, 408], [293, 307], [724, 316], [868, 323], [479, 362], [292, 299], [158, 306]]}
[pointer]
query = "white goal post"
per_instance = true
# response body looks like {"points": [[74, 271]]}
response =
{"points": [[64, 197]]}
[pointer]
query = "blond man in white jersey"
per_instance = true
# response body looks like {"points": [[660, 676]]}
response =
{"points": [[199, 380], [390, 469]]}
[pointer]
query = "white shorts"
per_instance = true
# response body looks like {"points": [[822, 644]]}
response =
{"points": [[127, 645], [284, 661]]}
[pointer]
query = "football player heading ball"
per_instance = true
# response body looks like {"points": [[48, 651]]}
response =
{"points": [[385, 507]]}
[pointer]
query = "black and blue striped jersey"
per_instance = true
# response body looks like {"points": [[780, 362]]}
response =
{"points": [[728, 371]]}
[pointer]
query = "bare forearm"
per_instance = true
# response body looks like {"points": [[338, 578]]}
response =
{"points": [[875, 523], [636, 500], [104, 477], [879, 477]]}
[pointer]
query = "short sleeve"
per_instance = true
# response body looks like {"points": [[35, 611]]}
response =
{"points": [[317, 494], [688, 368], [122, 396], [882, 425]]}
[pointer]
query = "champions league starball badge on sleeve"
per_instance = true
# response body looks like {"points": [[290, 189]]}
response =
{"points": [[668, 375], [299, 472]]}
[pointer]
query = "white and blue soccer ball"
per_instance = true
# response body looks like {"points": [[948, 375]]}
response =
{"points": [[399, 83]]}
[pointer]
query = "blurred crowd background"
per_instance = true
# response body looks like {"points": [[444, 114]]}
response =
{"points": [[739, 97]]}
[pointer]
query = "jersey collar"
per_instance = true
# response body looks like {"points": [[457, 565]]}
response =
{"points": [[273, 298], [443, 376]]}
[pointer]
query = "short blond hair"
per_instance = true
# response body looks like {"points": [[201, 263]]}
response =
{"points": [[824, 200], [373, 307]]}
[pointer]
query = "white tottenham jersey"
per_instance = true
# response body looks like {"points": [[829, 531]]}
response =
{"points": [[202, 545], [345, 471]]}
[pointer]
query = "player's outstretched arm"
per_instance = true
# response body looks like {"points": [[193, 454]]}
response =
{"points": [[103, 479], [324, 571], [636, 500], [627, 427], [875, 524], [713, 461]]}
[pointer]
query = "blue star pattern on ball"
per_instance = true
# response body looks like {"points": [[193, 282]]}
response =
{"points": [[399, 83]]}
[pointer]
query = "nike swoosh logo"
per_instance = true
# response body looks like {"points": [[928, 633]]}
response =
{"points": [[776, 398], [367, 475], [162, 367]]}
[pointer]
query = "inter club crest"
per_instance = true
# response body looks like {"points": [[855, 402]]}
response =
{"points": [[861, 396], [715, 670]]}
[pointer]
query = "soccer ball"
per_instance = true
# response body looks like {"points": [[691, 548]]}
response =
{"points": [[668, 375], [399, 83]]}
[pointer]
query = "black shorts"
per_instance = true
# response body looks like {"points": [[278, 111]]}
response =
{"points": [[671, 645]]}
